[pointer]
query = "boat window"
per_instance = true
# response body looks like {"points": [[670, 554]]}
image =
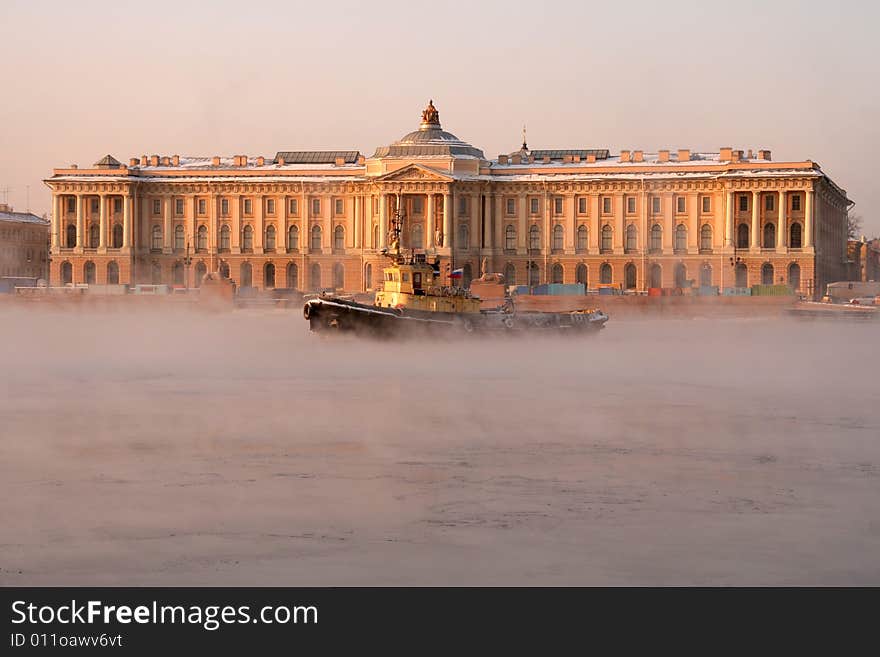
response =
{"points": [[417, 280], [405, 277]]}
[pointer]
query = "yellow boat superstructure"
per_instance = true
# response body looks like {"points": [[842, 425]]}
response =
{"points": [[416, 285]]}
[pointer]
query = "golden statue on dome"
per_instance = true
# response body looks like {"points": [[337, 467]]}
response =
{"points": [[430, 115]]}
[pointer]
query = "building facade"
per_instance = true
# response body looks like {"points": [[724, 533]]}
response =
{"points": [[24, 244], [313, 220]]}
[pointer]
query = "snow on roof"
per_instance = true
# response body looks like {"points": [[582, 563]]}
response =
{"points": [[22, 217]]}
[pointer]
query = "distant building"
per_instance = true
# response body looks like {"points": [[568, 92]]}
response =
{"points": [[24, 244], [864, 260], [319, 219]]}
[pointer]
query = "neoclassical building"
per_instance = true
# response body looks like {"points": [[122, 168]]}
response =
{"points": [[313, 220]]}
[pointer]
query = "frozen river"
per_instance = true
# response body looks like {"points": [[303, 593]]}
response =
{"points": [[185, 448]]}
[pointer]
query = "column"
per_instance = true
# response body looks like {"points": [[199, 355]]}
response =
{"points": [[729, 236], [522, 234], [281, 233], [486, 214], [383, 221], [447, 220], [781, 223], [595, 223], [569, 220], [126, 222], [619, 201], [476, 212], [56, 221], [79, 221], [498, 217], [214, 226], [808, 220], [259, 223], [429, 221], [668, 212], [693, 209], [756, 220], [235, 207], [327, 203], [102, 217], [166, 232]]}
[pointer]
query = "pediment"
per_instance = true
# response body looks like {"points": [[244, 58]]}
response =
{"points": [[416, 172]]}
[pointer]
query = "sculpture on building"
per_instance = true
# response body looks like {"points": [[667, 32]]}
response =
{"points": [[430, 114], [438, 237]]}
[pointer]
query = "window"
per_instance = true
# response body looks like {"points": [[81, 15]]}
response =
{"points": [[534, 206], [316, 238], [224, 207], [157, 206], [511, 207], [656, 238], [293, 237], [582, 205], [606, 237], [316, 207], [463, 236], [315, 276], [117, 236], [629, 276], [767, 274], [655, 205], [270, 206], [71, 204], [580, 274], [510, 238], [225, 233], [534, 238], [681, 236], [89, 272], [606, 205], [631, 244], [631, 204], [743, 203], [269, 276], [557, 205], [156, 243], [178, 207], [510, 273], [796, 240], [117, 205], [706, 237], [338, 207], [247, 275], [605, 273], [462, 205], [203, 207], [339, 238], [202, 239], [742, 236], [558, 237], [769, 203], [582, 238], [706, 275], [680, 276], [293, 206], [247, 241], [248, 207], [707, 204], [201, 271], [680, 205], [794, 276], [769, 236], [557, 274], [179, 238], [417, 206], [418, 237], [113, 273], [270, 237], [795, 202], [177, 273]]}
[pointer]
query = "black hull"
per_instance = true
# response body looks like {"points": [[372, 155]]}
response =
{"points": [[345, 316]]}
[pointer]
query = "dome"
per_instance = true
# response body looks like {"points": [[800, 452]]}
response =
{"points": [[429, 140]]}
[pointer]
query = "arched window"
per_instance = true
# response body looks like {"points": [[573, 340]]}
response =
{"points": [[742, 275], [66, 273], [706, 275], [156, 274], [315, 282], [269, 276], [247, 241], [769, 235], [656, 276], [463, 237], [557, 273], [681, 275], [656, 238], [117, 236], [606, 237], [316, 238], [94, 235], [510, 238], [510, 274], [224, 269], [293, 238], [794, 276], [368, 276], [706, 238], [558, 237], [201, 270], [580, 275], [225, 233], [796, 241], [339, 238], [247, 275], [681, 237], [582, 239], [375, 237], [71, 236], [534, 238], [631, 244], [270, 242], [418, 237], [89, 272], [467, 275], [177, 273], [179, 238], [292, 276], [742, 236], [202, 239], [338, 276], [156, 243], [534, 273], [629, 276], [112, 273], [605, 273], [767, 274]]}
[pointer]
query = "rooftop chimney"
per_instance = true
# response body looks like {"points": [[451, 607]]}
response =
{"points": [[516, 158], [74, 166], [154, 160], [133, 162], [684, 155], [176, 160], [591, 158], [261, 161], [725, 154], [340, 161], [144, 160], [624, 156], [281, 161], [361, 159], [502, 159], [638, 156], [546, 159], [764, 155], [566, 159], [215, 161], [663, 156], [165, 160]]}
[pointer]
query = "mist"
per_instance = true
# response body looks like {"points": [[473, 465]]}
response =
{"points": [[181, 448]]}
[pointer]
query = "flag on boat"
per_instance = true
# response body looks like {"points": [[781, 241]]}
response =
{"points": [[457, 273]]}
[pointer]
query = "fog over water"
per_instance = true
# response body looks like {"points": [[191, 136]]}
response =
{"points": [[173, 448]]}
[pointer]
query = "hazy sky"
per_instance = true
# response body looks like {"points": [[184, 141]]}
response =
{"points": [[86, 78]]}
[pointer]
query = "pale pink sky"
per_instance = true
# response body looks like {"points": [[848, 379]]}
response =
{"points": [[86, 78]]}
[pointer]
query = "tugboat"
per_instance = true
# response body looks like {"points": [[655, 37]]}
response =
{"points": [[413, 300]]}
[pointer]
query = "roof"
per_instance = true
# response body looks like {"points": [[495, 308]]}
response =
{"points": [[108, 162], [22, 218], [316, 157], [558, 154]]}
